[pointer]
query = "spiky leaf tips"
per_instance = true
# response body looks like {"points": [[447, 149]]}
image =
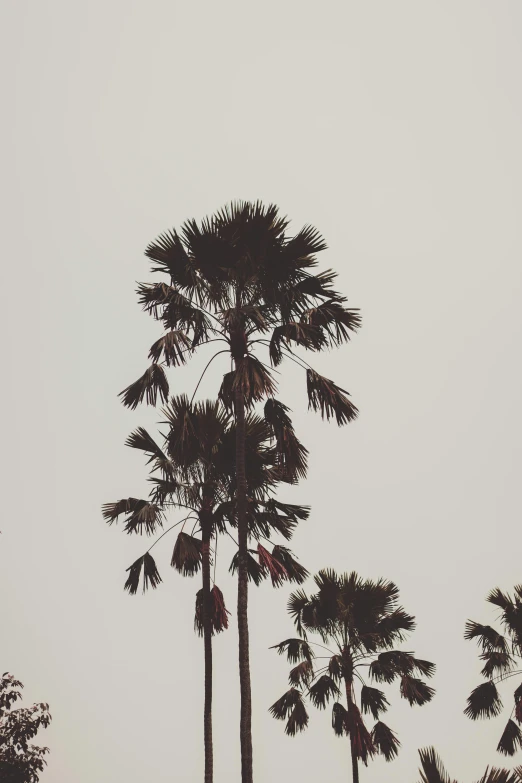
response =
{"points": [[357, 621], [501, 654], [433, 771]]}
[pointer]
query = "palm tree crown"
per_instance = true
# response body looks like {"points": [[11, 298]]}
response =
{"points": [[359, 623], [502, 657]]}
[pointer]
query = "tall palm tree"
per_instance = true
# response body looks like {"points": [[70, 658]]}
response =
{"points": [[359, 623], [432, 771], [240, 279], [502, 657], [195, 473]]}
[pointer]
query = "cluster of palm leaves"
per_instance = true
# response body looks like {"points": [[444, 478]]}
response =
{"points": [[239, 279], [360, 624]]}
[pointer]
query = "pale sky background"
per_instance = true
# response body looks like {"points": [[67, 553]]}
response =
{"points": [[395, 127]]}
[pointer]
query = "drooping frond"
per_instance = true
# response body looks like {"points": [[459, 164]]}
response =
{"points": [[361, 738], [298, 720], [486, 636], [142, 516], [323, 689], [294, 571], [385, 741], [382, 671], [186, 556], [218, 613], [502, 776], [415, 691], [151, 577], [292, 455], [335, 667], [283, 706], [304, 334], [496, 662], [177, 312], [511, 739], [325, 396], [152, 383], [301, 674], [140, 439], [173, 346], [339, 719], [374, 701], [271, 566], [484, 702], [255, 572], [295, 649], [296, 604], [252, 379]]}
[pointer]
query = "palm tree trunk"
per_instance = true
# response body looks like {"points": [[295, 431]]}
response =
{"points": [[355, 762], [242, 593], [207, 639]]}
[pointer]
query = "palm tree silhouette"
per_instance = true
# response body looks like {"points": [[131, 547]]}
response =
{"points": [[359, 623], [432, 771], [195, 473], [502, 656], [240, 279]]}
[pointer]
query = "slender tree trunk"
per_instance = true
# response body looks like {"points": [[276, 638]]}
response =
{"points": [[242, 593], [207, 639], [355, 762]]}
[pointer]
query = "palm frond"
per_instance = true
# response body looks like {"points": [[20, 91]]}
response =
{"points": [[323, 689], [291, 452], [486, 636], [151, 577], [415, 691], [256, 573], [501, 776], [336, 320], [218, 613], [382, 671], [142, 516], [152, 383], [432, 768], [171, 258], [374, 701], [298, 720], [325, 396], [335, 667], [500, 599], [186, 556], [385, 741], [511, 739], [173, 346], [362, 742], [272, 566], [295, 649], [283, 706], [484, 702], [294, 571], [296, 603], [301, 674], [496, 662], [306, 335], [339, 719]]}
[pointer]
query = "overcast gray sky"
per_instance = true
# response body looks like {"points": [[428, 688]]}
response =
{"points": [[395, 128]]}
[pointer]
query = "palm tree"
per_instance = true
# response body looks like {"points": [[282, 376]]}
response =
{"points": [[359, 623], [195, 473], [433, 771], [240, 279], [502, 657]]}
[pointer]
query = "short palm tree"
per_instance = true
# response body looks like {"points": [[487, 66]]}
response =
{"points": [[240, 279], [195, 473], [359, 623], [432, 771], [502, 657]]}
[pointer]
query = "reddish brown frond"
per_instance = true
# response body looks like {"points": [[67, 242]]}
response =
{"points": [[272, 566], [301, 674], [361, 738], [295, 572], [339, 719]]}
